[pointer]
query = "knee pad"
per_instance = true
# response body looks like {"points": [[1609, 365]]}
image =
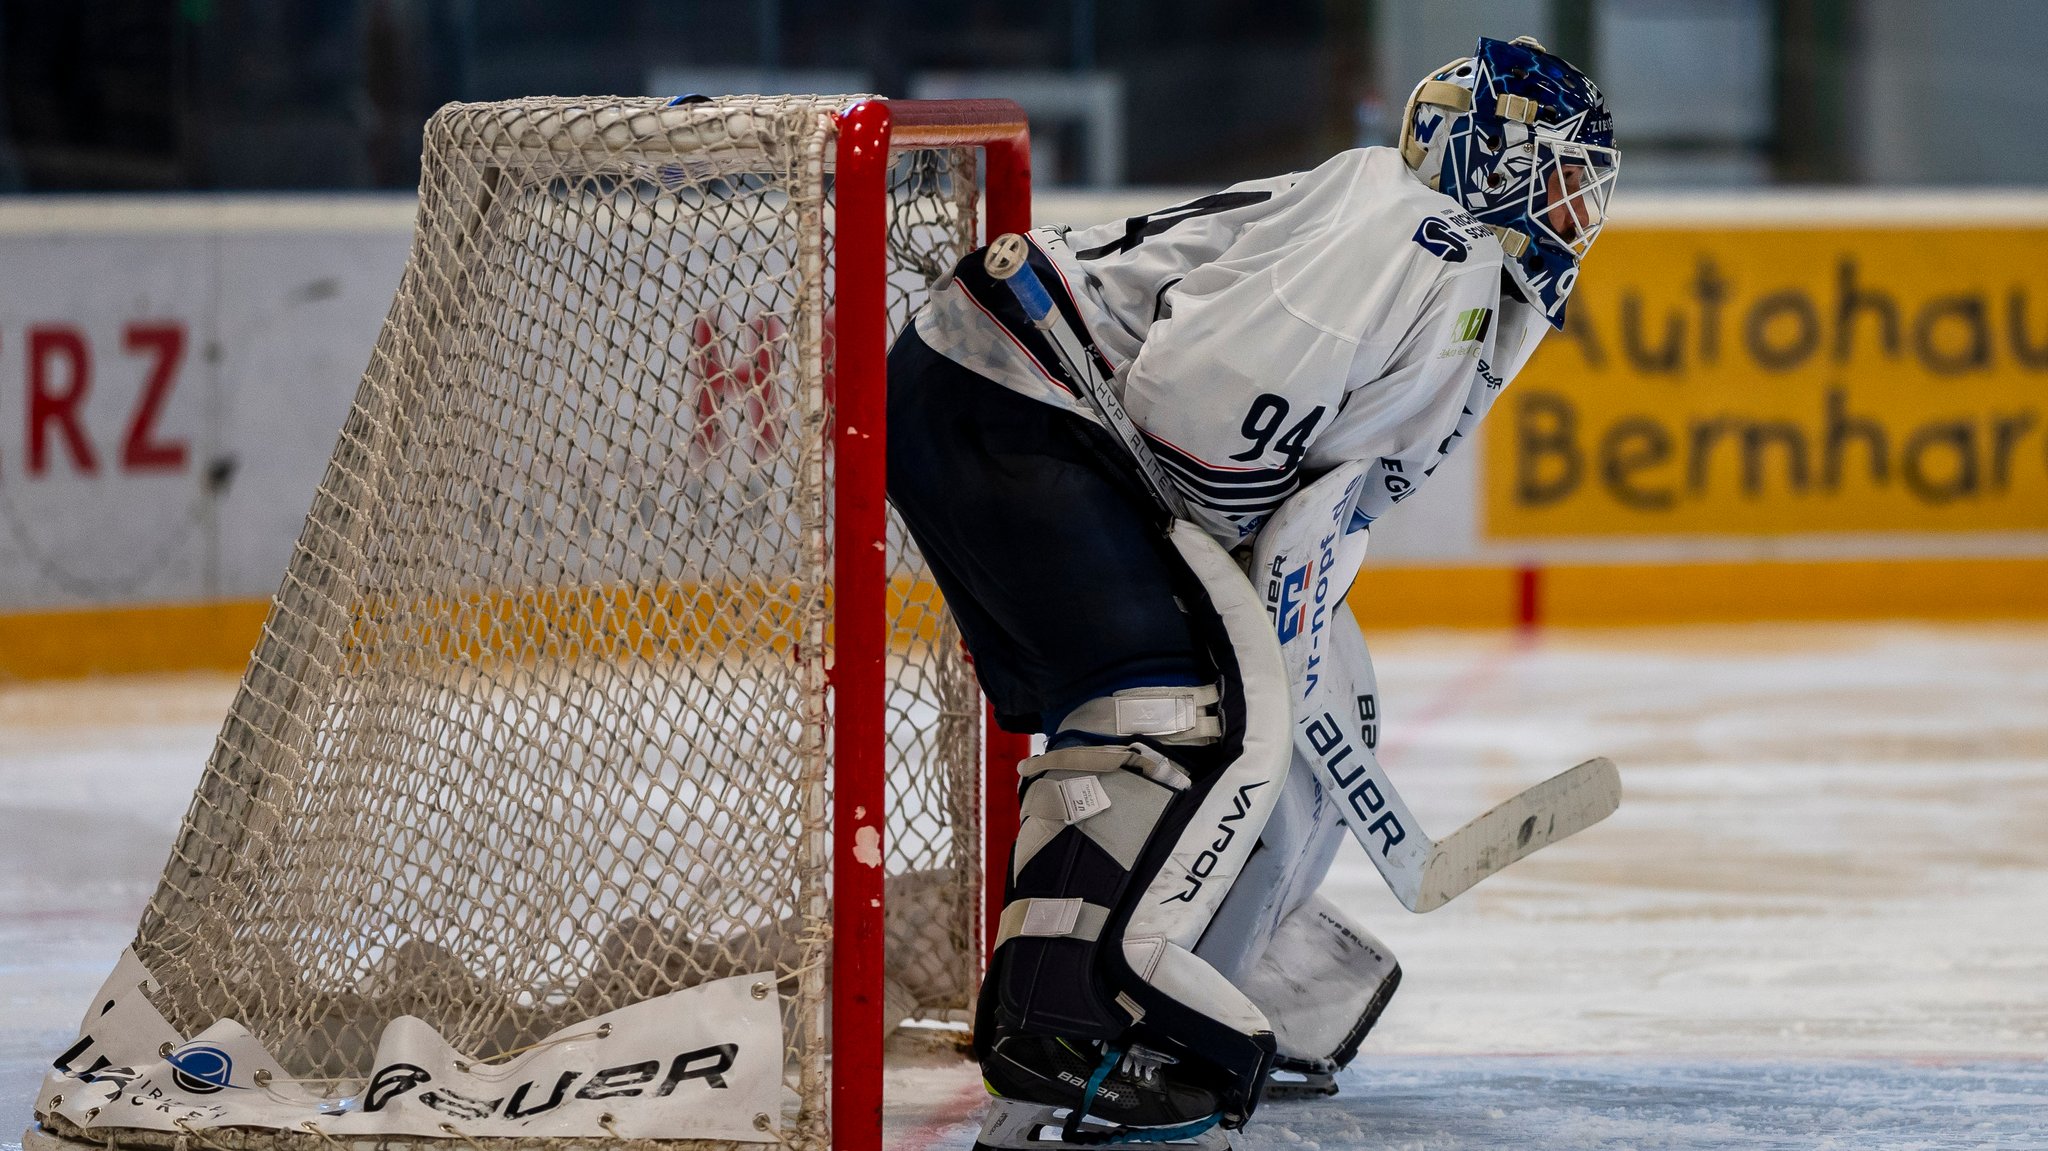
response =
{"points": [[1127, 850]]}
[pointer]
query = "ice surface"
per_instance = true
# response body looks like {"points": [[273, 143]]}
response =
{"points": [[1819, 920]]}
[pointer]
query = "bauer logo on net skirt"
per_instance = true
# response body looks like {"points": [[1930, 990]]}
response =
{"points": [[704, 1062]]}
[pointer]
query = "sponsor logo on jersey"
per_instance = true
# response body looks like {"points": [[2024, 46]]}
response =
{"points": [[1472, 229], [1440, 239], [1398, 486], [1468, 333], [1472, 324]]}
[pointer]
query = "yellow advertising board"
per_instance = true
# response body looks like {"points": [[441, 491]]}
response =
{"points": [[1776, 380]]}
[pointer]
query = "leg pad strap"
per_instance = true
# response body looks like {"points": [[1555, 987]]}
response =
{"points": [[1052, 919], [1170, 715]]}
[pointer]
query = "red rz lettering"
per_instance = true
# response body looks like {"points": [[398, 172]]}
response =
{"points": [[52, 406], [60, 381], [141, 451]]}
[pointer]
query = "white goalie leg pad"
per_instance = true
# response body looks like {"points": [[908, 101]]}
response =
{"points": [[1169, 715], [1293, 856], [1176, 907], [1304, 559], [1321, 984]]}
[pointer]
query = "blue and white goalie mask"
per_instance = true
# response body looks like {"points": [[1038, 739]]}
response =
{"points": [[1524, 142]]}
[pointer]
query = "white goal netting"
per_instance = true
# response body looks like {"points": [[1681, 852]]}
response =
{"points": [[539, 724]]}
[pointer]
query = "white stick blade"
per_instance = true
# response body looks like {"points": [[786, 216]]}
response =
{"points": [[1562, 805]]}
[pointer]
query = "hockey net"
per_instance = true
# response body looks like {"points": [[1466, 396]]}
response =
{"points": [[539, 723]]}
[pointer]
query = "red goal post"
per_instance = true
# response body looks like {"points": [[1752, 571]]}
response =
{"points": [[869, 133]]}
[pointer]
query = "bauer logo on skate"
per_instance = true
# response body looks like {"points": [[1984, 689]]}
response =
{"points": [[1785, 380]]}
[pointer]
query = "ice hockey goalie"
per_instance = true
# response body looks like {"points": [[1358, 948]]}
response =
{"points": [[1164, 959]]}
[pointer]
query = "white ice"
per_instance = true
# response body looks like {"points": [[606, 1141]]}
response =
{"points": [[1819, 920]]}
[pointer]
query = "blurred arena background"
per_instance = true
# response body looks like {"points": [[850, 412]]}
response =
{"points": [[1804, 379], [1768, 523]]}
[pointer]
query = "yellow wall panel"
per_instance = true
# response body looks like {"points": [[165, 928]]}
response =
{"points": [[126, 640], [1772, 381], [1384, 597], [175, 637], [1605, 595]]}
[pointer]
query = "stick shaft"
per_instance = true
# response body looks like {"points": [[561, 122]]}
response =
{"points": [[1008, 260]]}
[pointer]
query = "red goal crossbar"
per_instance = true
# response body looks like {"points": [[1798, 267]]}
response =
{"points": [[869, 134]]}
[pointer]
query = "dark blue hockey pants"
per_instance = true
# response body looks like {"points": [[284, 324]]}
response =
{"points": [[1037, 532]]}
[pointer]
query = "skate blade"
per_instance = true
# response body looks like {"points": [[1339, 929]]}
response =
{"points": [[1016, 1125], [1285, 1083]]}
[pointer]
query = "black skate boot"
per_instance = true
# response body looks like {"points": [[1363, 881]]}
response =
{"points": [[1052, 1092]]}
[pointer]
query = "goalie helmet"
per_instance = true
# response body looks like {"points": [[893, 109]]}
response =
{"points": [[1524, 142]]}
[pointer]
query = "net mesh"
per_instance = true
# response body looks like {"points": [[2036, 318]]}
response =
{"points": [[538, 725]]}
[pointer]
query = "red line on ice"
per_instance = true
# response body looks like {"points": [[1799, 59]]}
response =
{"points": [[1453, 696], [953, 1113]]}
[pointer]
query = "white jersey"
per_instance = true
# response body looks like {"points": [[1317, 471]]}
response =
{"points": [[1267, 333]]}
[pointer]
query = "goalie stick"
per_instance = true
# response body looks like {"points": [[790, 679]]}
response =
{"points": [[1307, 554], [1008, 260], [1562, 805], [1424, 873]]}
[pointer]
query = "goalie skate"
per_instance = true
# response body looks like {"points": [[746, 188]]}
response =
{"points": [[1051, 1092], [1014, 1124]]}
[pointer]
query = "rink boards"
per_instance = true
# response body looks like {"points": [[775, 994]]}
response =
{"points": [[1764, 407]]}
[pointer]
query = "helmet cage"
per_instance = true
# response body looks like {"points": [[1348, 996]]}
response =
{"points": [[1567, 199]]}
